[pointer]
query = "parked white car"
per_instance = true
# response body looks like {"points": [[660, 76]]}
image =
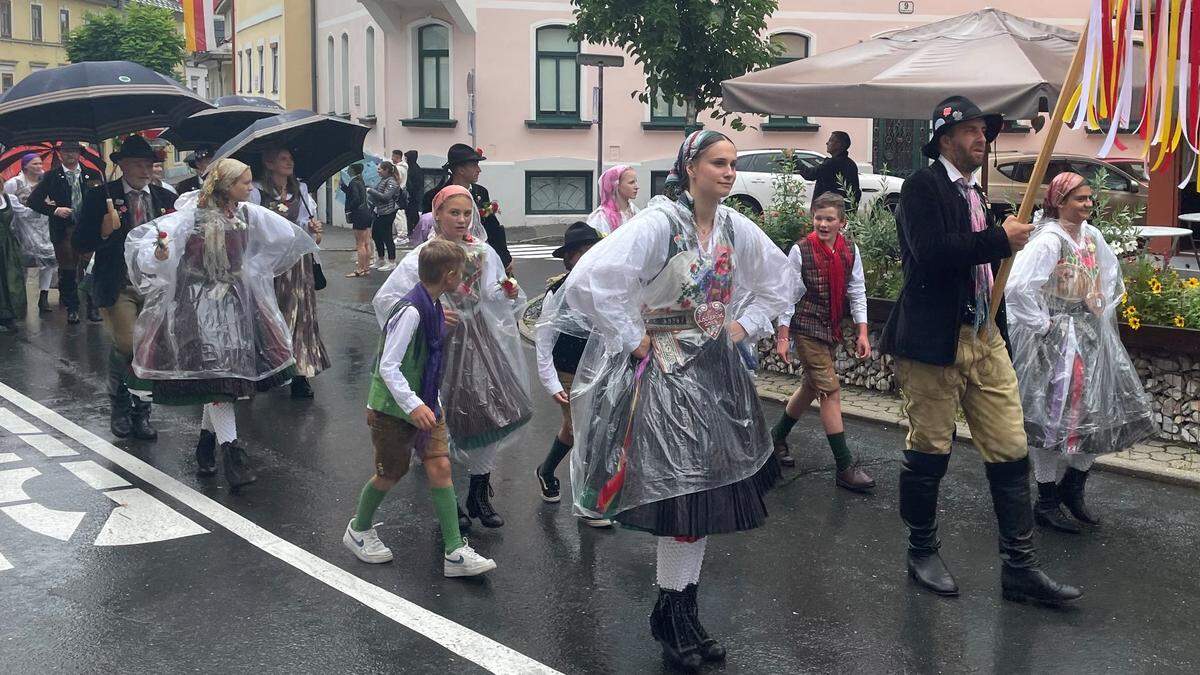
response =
{"points": [[757, 170]]}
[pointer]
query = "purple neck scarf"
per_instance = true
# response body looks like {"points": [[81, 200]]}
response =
{"points": [[432, 318]]}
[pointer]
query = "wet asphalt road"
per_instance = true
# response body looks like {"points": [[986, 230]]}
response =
{"points": [[821, 588]]}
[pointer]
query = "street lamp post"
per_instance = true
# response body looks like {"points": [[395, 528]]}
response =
{"points": [[600, 61]]}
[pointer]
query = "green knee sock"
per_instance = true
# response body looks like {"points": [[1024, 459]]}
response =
{"points": [[368, 501], [841, 453], [783, 427], [445, 504], [558, 451]]}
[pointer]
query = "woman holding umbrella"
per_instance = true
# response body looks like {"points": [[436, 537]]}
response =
{"points": [[296, 290]]}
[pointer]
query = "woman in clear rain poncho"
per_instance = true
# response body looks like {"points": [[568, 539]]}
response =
{"points": [[32, 228], [1080, 392], [296, 288], [669, 432], [211, 331], [485, 392], [618, 188]]}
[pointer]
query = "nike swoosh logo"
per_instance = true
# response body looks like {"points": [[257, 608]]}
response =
{"points": [[357, 542], [456, 562]]}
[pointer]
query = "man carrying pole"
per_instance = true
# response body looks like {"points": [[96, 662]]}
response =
{"points": [[950, 352]]}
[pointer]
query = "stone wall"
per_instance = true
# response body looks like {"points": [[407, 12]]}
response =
{"points": [[1173, 380]]}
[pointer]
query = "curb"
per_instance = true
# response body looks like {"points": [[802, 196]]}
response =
{"points": [[1110, 463]]}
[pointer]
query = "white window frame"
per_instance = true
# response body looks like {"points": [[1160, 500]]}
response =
{"points": [[414, 65]]}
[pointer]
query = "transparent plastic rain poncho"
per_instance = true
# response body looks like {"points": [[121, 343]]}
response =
{"points": [[1078, 387], [31, 228], [485, 390], [686, 418], [210, 309]]}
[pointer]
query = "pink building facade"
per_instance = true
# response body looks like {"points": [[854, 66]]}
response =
{"points": [[500, 75]]}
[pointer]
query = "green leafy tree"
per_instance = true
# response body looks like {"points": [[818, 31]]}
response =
{"points": [[140, 33], [686, 47]]}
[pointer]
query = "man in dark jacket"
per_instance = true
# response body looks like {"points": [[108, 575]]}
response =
{"points": [[415, 187], [198, 161], [59, 195], [947, 355], [462, 164], [838, 173], [136, 201]]}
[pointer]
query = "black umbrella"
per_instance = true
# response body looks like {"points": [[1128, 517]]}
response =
{"points": [[211, 128], [320, 144], [92, 101]]}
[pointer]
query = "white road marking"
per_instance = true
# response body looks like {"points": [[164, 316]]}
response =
{"points": [[11, 482], [14, 424], [95, 475], [477, 648], [142, 519], [4, 564], [7, 457], [45, 521], [48, 445]]}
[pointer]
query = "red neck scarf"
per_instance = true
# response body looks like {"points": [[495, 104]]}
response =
{"points": [[832, 264]]}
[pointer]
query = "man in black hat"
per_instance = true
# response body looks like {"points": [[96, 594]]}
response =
{"points": [[59, 195], [462, 166], [558, 357], [198, 161], [947, 355], [136, 201]]}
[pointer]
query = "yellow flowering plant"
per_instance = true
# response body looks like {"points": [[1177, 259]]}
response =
{"points": [[1159, 297]]}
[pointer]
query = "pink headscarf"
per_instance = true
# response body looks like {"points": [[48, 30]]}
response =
{"points": [[448, 192], [1063, 184], [609, 180]]}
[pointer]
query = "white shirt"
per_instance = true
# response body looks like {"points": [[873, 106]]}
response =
{"points": [[399, 334], [402, 173], [544, 340], [856, 288]]}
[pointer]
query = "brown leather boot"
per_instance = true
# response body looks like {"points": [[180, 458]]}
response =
{"points": [[853, 478], [784, 454]]}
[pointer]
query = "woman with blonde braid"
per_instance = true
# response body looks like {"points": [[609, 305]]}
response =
{"points": [[211, 331], [279, 190]]}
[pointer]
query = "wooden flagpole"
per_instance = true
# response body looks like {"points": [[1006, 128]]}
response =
{"points": [[1039, 168]]}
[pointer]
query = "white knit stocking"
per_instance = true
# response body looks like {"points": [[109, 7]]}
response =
{"points": [[45, 277], [221, 421], [1045, 464], [1081, 461], [679, 562]]}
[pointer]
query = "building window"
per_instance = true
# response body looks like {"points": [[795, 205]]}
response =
{"points": [[249, 71], [794, 47], [194, 84], [433, 80], [369, 56], [35, 23], [345, 74], [262, 71], [558, 192], [6, 82], [329, 83], [64, 25], [274, 68], [5, 18], [663, 111], [557, 74], [219, 29]]}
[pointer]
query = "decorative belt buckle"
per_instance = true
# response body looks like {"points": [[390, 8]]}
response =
{"points": [[710, 317]]}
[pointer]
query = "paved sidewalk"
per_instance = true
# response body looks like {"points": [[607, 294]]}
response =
{"points": [[1153, 459]]}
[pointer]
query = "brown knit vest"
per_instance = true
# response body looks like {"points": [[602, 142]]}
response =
{"points": [[812, 312]]}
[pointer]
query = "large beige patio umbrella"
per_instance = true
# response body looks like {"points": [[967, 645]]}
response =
{"points": [[1004, 63]]}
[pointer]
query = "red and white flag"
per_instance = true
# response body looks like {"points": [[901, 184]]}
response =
{"points": [[198, 25]]}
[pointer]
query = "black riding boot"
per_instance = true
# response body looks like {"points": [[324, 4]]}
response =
{"points": [[1071, 490], [464, 521], [93, 312], [301, 388], [142, 429], [1048, 511], [237, 465], [68, 293], [44, 302], [1020, 577], [671, 626], [206, 454], [920, 478], [120, 422], [479, 503], [710, 649]]}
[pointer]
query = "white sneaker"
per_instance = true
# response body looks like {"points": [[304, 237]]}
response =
{"points": [[596, 522], [366, 546], [388, 267], [465, 562], [378, 262]]}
